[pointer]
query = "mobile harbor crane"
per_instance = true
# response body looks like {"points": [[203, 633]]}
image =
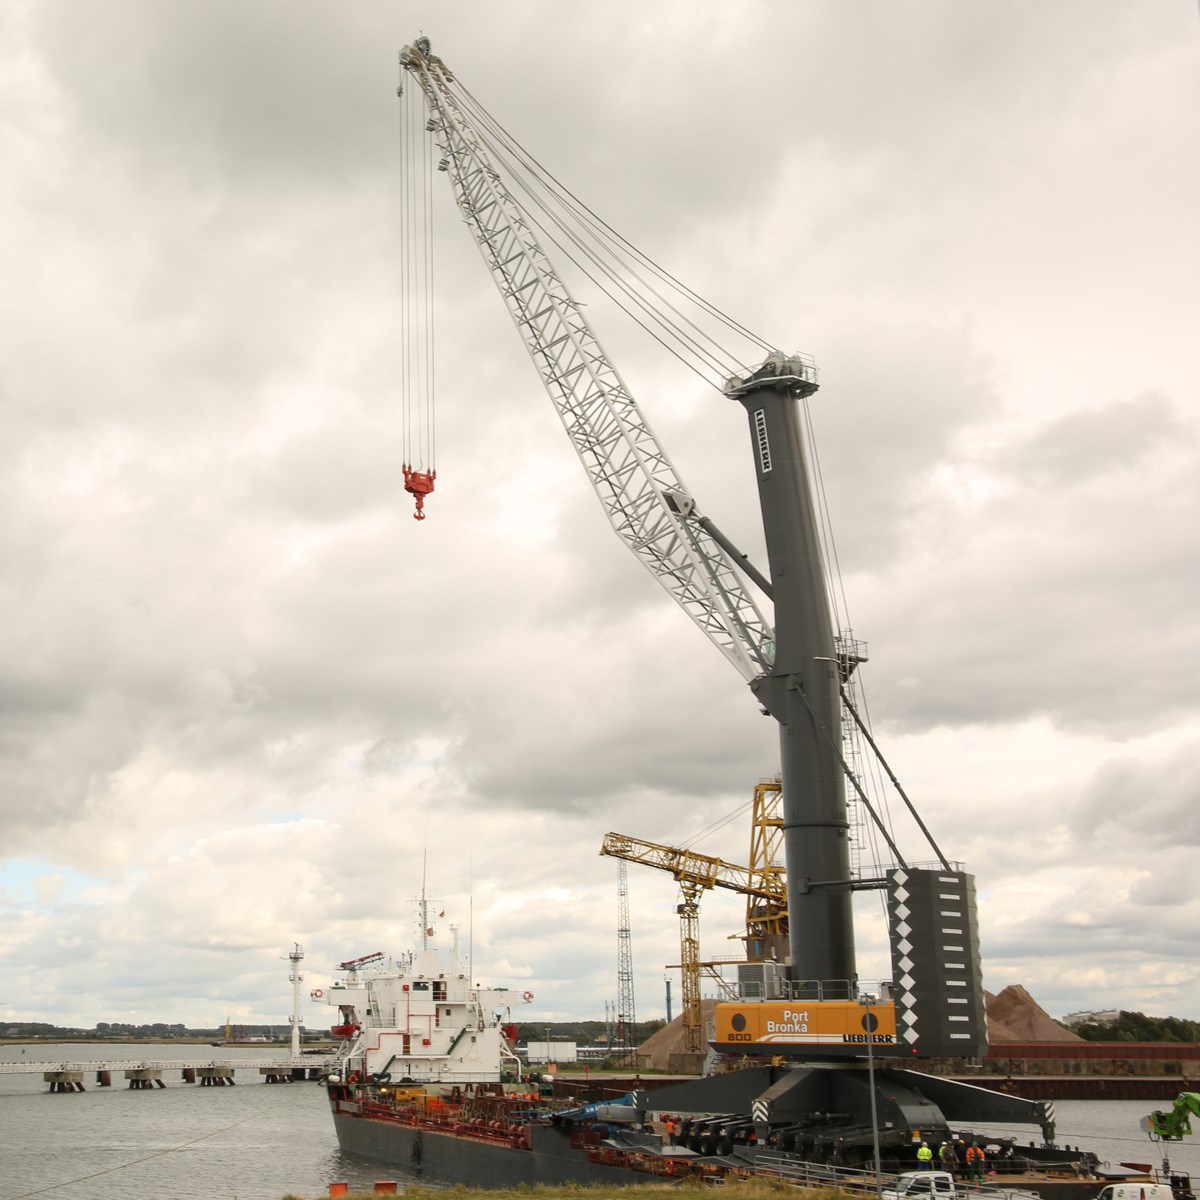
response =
{"points": [[810, 1008]]}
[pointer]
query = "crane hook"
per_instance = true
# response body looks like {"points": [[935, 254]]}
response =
{"points": [[418, 484]]}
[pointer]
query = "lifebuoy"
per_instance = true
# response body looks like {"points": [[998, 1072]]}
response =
{"points": [[316, 993], [353, 1078], [526, 996]]}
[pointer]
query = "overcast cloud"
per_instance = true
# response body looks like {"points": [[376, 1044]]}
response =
{"points": [[243, 694]]}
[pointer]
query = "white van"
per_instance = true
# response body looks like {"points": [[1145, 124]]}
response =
{"points": [[1136, 1191]]}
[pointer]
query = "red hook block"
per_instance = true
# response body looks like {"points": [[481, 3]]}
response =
{"points": [[418, 484]]}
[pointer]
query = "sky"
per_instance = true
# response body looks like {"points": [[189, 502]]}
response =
{"points": [[247, 702]]}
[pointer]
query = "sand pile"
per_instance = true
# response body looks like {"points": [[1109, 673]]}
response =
{"points": [[661, 1050], [1015, 1016]]}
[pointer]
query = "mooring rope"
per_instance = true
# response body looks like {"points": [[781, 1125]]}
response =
{"points": [[53, 1187]]}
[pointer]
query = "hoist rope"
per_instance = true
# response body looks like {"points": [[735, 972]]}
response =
{"points": [[835, 588], [584, 236], [416, 340], [574, 247], [430, 309], [714, 827], [402, 167]]}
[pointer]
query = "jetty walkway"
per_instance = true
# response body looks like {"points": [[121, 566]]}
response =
{"points": [[68, 1076]]}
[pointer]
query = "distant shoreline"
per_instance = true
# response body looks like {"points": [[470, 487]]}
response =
{"points": [[142, 1041]]}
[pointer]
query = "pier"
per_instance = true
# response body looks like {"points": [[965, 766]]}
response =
{"points": [[147, 1075]]}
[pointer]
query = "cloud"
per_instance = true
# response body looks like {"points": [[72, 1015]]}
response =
{"points": [[247, 701]]}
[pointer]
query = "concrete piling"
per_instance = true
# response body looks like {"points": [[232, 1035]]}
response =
{"points": [[64, 1081], [144, 1079]]}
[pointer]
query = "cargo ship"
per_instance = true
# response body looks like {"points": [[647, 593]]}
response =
{"points": [[430, 1083]]}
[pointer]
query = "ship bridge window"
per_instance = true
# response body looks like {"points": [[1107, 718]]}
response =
{"points": [[420, 986]]}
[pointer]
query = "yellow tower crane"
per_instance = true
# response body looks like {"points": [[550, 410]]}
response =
{"points": [[763, 883]]}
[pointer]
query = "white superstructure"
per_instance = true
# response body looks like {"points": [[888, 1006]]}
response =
{"points": [[419, 1018]]}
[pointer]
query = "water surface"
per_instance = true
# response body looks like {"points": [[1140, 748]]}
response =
{"points": [[259, 1141]]}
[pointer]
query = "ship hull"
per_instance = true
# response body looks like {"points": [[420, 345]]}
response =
{"points": [[551, 1156], [450, 1158]]}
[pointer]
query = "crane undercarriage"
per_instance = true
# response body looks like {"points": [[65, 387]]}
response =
{"points": [[823, 1113]]}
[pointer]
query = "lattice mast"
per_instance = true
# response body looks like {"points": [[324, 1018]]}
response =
{"points": [[689, 967], [626, 1008], [766, 904]]}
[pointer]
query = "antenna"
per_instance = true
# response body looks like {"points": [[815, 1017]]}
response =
{"points": [[423, 906]]}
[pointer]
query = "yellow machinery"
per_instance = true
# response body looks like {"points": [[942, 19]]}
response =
{"points": [[802, 1028]]}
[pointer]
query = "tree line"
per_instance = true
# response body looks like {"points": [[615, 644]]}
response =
{"points": [[584, 1033], [1137, 1027]]}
